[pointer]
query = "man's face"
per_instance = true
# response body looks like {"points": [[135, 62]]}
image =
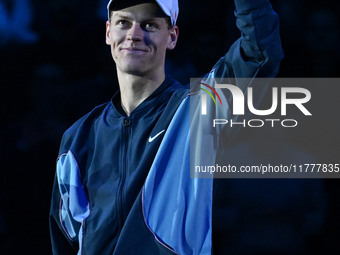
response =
{"points": [[139, 37]]}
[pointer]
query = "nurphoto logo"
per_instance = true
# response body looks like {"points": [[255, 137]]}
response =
{"points": [[240, 101]]}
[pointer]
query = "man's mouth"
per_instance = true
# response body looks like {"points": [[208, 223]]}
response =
{"points": [[134, 50]]}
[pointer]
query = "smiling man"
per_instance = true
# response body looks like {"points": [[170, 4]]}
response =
{"points": [[123, 182], [139, 35]]}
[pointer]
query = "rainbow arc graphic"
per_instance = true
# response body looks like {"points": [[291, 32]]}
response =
{"points": [[210, 94]]}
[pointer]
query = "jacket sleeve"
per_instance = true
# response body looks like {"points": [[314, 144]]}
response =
{"points": [[258, 52], [70, 205], [61, 243]]}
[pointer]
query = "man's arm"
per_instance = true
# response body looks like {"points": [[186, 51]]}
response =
{"points": [[258, 52], [69, 202], [61, 244]]}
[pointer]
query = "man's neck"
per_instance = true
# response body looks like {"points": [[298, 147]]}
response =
{"points": [[134, 89]]}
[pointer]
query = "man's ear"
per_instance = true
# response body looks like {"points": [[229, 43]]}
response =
{"points": [[108, 35], [173, 37]]}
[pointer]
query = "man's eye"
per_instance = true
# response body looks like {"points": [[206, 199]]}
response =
{"points": [[122, 23], [150, 26]]}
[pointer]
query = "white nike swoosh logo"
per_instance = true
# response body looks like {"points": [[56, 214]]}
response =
{"points": [[151, 139]]}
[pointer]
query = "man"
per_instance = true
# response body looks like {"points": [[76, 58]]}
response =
{"points": [[123, 183]]}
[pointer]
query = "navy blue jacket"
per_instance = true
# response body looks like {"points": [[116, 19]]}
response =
{"points": [[113, 171]]}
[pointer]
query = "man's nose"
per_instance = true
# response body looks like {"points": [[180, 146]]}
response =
{"points": [[135, 33]]}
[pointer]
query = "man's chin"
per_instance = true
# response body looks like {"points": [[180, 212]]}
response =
{"points": [[133, 71], [136, 69]]}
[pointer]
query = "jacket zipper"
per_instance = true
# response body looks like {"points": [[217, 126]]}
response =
{"points": [[126, 124]]}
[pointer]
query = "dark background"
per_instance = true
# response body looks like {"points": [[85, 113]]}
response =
{"points": [[55, 67]]}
